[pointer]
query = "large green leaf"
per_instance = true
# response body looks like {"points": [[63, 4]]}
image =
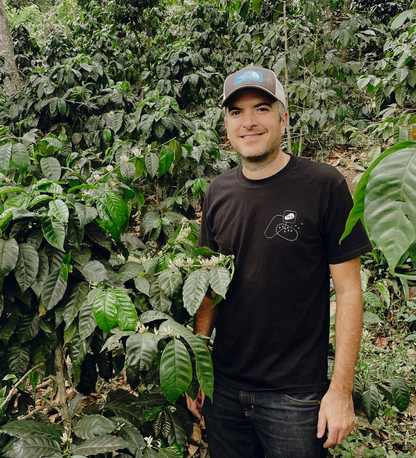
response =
{"points": [[194, 290], [219, 279], [152, 164], [5, 156], [357, 211], [94, 271], [128, 171], [129, 270], [18, 358], [27, 266], [54, 232], [9, 254], [203, 362], [401, 394], [91, 426], [105, 310], [53, 289], [74, 302], [130, 434], [24, 428], [75, 230], [28, 327], [127, 315], [370, 403], [58, 210], [43, 272], [175, 370], [113, 213], [101, 444], [390, 204], [20, 157], [126, 405], [34, 447], [86, 320], [170, 280], [141, 350], [165, 160], [51, 168]]}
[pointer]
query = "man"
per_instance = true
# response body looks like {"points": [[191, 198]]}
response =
{"points": [[282, 218]]}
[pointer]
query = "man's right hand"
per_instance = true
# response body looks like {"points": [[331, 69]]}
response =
{"points": [[195, 405]]}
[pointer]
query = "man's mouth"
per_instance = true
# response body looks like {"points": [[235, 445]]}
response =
{"points": [[249, 136]]}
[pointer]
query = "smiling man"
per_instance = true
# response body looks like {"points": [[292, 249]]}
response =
{"points": [[282, 218]]}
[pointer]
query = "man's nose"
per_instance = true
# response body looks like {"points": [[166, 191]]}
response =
{"points": [[249, 120]]}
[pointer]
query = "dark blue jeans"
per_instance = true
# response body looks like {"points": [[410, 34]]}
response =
{"points": [[255, 424]]}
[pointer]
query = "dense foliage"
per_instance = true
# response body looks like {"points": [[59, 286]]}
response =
{"points": [[105, 155]]}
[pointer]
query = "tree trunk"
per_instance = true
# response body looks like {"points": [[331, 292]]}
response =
{"points": [[7, 51]]}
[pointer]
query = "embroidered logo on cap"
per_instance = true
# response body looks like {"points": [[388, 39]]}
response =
{"points": [[249, 75]]}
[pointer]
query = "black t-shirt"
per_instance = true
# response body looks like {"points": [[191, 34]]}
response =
{"points": [[272, 329]]}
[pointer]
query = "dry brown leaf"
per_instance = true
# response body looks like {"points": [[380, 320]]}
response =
{"points": [[380, 342], [332, 308], [413, 133], [386, 436], [360, 449], [192, 449], [413, 409], [196, 435]]}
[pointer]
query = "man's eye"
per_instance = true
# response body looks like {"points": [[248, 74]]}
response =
{"points": [[235, 112]]}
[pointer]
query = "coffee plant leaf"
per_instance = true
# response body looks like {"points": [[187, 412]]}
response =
{"points": [[141, 350], [128, 172], [28, 327], [27, 266], [94, 271], [20, 157], [74, 302], [24, 428], [113, 213], [54, 232], [53, 289], [5, 156], [370, 403], [18, 358], [35, 446], [170, 281], [105, 310], [100, 444], [166, 158], [9, 254], [86, 320], [219, 280], [129, 271], [58, 210], [194, 289], [42, 273], [401, 394], [51, 168], [390, 207], [126, 311], [90, 426], [175, 370], [130, 434]]}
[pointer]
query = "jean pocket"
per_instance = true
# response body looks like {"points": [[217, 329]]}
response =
{"points": [[310, 399]]}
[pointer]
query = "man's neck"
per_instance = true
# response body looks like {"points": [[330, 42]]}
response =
{"points": [[259, 171]]}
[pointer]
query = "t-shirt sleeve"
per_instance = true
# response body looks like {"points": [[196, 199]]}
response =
{"points": [[206, 237], [357, 242]]}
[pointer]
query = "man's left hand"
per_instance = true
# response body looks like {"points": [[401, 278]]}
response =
{"points": [[336, 414]]}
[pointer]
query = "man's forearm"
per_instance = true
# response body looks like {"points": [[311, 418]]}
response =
{"points": [[205, 318]]}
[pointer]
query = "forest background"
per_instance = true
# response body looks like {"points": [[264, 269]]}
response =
{"points": [[110, 132]]}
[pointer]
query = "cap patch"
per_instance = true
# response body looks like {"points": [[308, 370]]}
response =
{"points": [[249, 75]]}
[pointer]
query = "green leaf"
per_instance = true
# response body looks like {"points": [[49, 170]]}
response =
{"points": [[370, 403], [90, 426], [18, 358], [372, 318], [141, 350], [53, 290], [400, 94], [401, 394], [51, 168], [101, 444], [74, 302], [401, 18], [194, 290], [61, 105], [125, 405], [175, 370], [34, 446], [219, 279], [256, 6], [357, 211], [54, 232], [117, 122], [105, 310], [165, 160], [20, 157], [152, 164], [130, 434], [128, 171], [58, 210], [127, 315], [5, 156], [9, 254], [129, 271], [170, 281], [372, 299], [24, 428], [86, 320], [28, 327], [113, 213], [94, 271], [390, 207], [43, 272], [142, 285]]}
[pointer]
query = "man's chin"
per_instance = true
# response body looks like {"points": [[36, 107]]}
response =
{"points": [[255, 158]]}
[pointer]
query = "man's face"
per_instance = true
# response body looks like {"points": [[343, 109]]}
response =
{"points": [[254, 126]]}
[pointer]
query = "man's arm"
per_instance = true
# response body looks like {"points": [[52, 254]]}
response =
{"points": [[204, 323], [337, 409]]}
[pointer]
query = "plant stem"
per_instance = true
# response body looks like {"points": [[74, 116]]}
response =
{"points": [[60, 380]]}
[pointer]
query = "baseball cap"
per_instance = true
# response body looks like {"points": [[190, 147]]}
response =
{"points": [[256, 77]]}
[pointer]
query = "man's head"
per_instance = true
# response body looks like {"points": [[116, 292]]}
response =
{"points": [[255, 114]]}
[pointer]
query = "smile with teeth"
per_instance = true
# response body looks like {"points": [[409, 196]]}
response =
{"points": [[254, 135]]}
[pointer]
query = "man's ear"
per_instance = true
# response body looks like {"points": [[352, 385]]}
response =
{"points": [[225, 124], [283, 123]]}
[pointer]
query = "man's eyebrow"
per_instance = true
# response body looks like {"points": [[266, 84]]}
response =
{"points": [[255, 106]]}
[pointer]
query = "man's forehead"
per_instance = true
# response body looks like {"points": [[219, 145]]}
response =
{"points": [[247, 94]]}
